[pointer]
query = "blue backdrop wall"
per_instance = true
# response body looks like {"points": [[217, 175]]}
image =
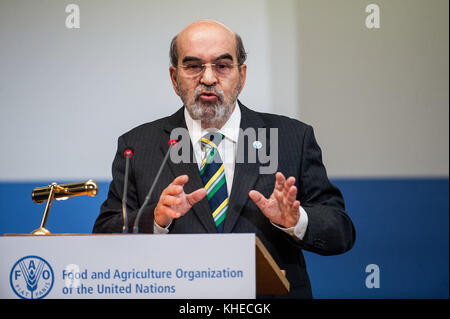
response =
{"points": [[401, 226]]}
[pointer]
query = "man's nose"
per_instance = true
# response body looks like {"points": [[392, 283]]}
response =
{"points": [[209, 76]]}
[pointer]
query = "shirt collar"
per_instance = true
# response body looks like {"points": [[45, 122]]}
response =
{"points": [[230, 128]]}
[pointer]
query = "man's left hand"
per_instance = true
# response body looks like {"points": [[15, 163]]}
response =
{"points": [[281, 207]]}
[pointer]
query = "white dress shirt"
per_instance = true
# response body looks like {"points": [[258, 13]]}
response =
{"points": [[227, 150]]}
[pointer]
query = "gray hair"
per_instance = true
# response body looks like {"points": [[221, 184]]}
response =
{"points": [[240, 51]]}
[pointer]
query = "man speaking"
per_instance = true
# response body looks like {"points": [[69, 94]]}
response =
{"points": [[224, 189]]}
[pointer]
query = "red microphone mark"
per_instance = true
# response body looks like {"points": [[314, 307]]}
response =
{"points": [[172, 142], [128, 153]]}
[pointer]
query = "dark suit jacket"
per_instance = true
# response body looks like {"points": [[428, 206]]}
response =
{"points": [[330, 230]]}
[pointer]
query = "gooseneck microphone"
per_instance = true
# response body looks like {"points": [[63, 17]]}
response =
{"points": [[147, 198], [128, 154]]}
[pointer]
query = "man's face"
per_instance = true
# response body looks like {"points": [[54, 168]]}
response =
{"points": [[209, 96]]}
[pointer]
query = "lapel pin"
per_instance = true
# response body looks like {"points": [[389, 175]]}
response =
{"points": [[257, 144]]}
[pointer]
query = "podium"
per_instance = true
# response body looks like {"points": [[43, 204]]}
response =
{"points": [[191, 266]]}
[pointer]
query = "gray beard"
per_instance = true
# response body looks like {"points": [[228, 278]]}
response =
{"points": [[211, 115]]}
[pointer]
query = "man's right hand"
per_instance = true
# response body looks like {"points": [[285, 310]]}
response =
{"points": [[174, 202]]}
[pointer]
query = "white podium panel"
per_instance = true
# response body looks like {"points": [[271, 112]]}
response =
{"points": [[197, 266]]}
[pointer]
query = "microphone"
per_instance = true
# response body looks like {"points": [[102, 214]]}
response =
{"points": [[40, 194], [128, 154], [147, 198]]}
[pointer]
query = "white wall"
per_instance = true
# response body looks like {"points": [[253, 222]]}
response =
{"points": [[67, 94], [378, 99]]}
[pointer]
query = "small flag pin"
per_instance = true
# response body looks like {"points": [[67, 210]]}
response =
{"points": [[257, 144]]}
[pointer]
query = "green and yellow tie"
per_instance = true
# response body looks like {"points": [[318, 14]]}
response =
{"points": [[213, 176]]}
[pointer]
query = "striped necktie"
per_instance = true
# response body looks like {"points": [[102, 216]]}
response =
{"points": [[213, 176]]}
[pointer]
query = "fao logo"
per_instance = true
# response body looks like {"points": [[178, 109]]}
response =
{"points": [[31, 277]]}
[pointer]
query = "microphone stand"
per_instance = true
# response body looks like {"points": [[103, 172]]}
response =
{"points": [[128, 154], [147, 198]]}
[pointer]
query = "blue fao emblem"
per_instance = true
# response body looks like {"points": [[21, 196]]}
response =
{"points": [[31, 278]]}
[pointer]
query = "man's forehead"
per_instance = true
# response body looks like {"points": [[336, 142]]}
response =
{"points": [[210, 26], [206, 39]]}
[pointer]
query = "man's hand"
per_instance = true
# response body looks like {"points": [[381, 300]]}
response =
{"points": [[281, 207], [174, 202]]}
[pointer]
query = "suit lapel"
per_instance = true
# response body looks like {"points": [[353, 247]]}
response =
{"points": [[190, 168], [245, 173]]}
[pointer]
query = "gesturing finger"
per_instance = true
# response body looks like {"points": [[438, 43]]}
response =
{"points": [[169, 200], [258, 199], [279, 181], [291, 194], [169, 212], [180, 180], [196, 196], [173, 190], [296, 205], [287, 186]]}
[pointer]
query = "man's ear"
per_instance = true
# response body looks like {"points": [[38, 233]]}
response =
{"points": [[173, 78], [243, 72]]}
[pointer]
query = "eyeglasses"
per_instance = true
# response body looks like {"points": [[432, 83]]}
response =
{"points": [[195, 68]]}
